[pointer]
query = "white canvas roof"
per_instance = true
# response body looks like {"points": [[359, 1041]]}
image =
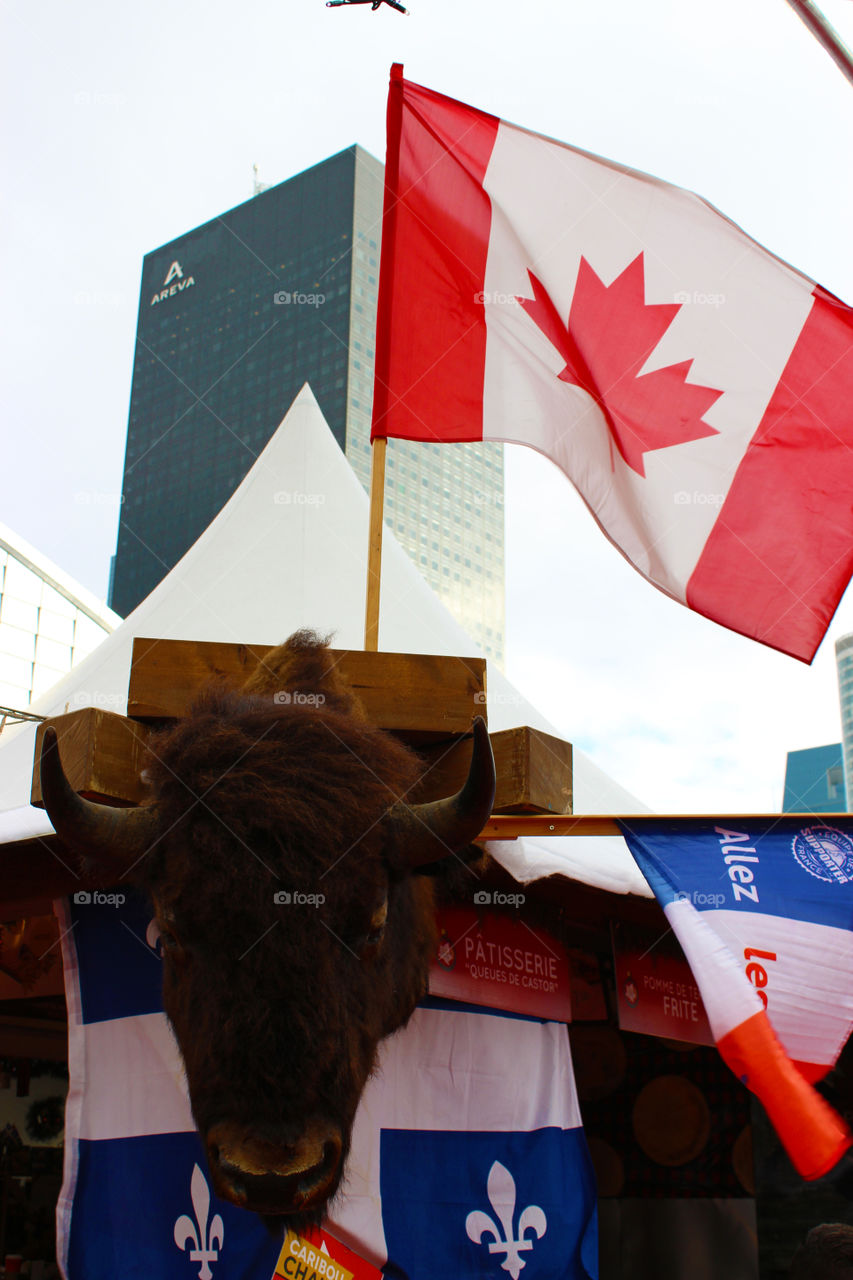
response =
{"points": [[288, 551]]}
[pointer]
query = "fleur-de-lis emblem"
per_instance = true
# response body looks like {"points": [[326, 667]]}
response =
{"points": [[203, 1250], [501, 1192]]}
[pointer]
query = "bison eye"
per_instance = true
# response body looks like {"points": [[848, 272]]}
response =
{"points": [[375, 932], [172, 947]]}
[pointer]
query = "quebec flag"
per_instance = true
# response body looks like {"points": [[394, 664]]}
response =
{"points": [[764, 912], [468, 1157]]}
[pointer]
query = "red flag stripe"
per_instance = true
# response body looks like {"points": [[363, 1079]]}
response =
{"points": [[814, 1136], [438, 354], [789, 506]]}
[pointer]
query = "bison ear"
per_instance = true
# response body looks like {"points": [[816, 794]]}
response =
{"points": [[426, 833]]}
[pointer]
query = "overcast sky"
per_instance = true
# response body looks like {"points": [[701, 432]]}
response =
{"points": [[125, 128]]}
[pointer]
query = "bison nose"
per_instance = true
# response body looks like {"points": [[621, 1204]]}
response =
{"points": [[274, 1177]]}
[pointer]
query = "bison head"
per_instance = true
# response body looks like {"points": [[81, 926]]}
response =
{"points": [[285, 868]]}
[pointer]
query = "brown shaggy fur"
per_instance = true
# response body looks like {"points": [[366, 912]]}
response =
{"points": [[278, 1008], [303, 664]]}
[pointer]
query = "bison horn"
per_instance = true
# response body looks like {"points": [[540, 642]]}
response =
{"points": [[110, 840], [425, 833]]}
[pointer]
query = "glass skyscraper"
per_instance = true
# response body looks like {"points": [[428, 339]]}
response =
{"points": [[233, 318]]}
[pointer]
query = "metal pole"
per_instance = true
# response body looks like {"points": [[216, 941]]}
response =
{"points": [[823, 31]]}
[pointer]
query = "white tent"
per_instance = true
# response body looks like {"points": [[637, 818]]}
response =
{"points": [[288, 551]]}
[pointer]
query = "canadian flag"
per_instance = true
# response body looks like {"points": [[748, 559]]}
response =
{"points": [[696, 390]]}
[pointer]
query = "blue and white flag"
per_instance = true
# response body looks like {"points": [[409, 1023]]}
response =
{"points": [[468, 1156], [764, 915]]}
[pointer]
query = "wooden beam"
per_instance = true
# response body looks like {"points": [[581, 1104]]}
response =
{"points": [[408, 693], [102, 754], [534, 771], [514, 826]]}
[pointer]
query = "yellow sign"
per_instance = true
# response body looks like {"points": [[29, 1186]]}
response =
{"points": [[301, 1260]]}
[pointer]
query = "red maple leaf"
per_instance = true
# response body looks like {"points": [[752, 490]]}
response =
{"points": [[609, 337]]}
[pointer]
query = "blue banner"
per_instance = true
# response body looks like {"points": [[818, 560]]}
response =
{"points": [[800, 870]]}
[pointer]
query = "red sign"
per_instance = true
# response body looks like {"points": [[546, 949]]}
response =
{"points": [[317, 1255], [654, 987], [498, 961]]}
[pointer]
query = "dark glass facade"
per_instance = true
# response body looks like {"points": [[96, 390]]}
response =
{"points": [[230, 327], [814, 781]]}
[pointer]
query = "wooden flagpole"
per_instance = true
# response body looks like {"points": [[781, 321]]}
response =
{"points": [[394, 125], [374, 544]]}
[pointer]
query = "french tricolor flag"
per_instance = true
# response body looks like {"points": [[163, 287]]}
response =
{"points": [[764, 912], [695, 389]]}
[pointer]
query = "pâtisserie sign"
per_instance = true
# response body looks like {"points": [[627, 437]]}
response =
{"points": [[495, 960]]}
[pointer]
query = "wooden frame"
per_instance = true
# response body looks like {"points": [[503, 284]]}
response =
{"points": [[411, 693]]}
